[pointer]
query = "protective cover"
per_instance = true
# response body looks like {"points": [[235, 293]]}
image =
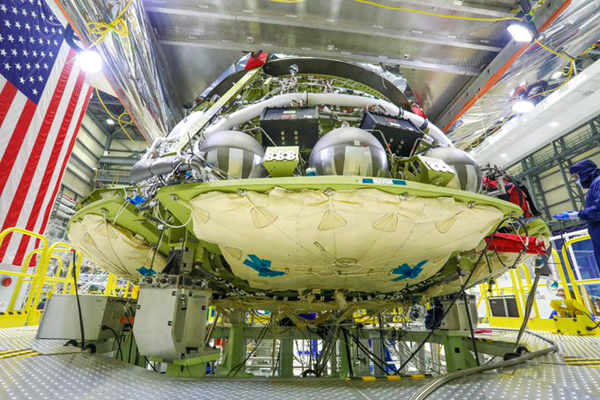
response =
{"points": [[359, 240], [113, 248]]}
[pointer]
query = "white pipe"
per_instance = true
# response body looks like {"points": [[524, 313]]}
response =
{"points": [[317, 99]]}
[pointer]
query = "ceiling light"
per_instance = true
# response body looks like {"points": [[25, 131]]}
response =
{"points": [[553, 124], [503, 155], [556, 75], [523, 106], [110, 121], [520, 33], [89, 61]]}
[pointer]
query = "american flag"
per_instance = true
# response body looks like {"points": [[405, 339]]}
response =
{"points": [[43, 98]]}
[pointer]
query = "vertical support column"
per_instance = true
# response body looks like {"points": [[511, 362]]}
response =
{"points": [[236, 349], [363, 360], [286, 359], [378, 351], [540, 194], [458, 355], [558, 145], [346, 357], [333, 359]]}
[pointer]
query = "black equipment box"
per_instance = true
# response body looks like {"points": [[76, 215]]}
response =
{"points": [[400, 134], [294, 126], [504, 306]]}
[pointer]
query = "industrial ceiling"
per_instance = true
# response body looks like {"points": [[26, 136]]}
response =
{"points": [[450, 64]]}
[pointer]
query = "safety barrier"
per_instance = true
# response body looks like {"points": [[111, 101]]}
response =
{"points": [[570, 282], [39, 278]]}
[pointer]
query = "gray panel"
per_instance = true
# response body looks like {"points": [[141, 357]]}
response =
{"points": [[60, 318]]}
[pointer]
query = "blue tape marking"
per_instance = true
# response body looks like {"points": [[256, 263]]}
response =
{"points": [[406, 272], [263, 267], [398, 182], [367, 180], [146, 272]]}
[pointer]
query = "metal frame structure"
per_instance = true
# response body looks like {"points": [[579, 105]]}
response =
{"points": [[559, 152]]}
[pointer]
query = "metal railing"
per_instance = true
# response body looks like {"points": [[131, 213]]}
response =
{"points": [[41, 281], [568, 278]]}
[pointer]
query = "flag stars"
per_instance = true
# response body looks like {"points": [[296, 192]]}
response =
{"points": [[40, 78], [15, 11], [7, 23], [40, 41], [27, 26], [35, 53], [21, 39], [25, 53], [11, 38], [18, 66], [37, 27], [28, 66], [43, 53], [55, 42], [22, 80], [3, 8], [35, 92], [3, 52], [31, 79], [37, 66], [1, 38], [45, 66], [46, 30], [7, 66], [13, 52], [50, 54], [18, 25], [24, 12]]}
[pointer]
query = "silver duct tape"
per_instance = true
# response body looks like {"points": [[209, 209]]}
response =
{"points": [[130, 64], [576, 30]]}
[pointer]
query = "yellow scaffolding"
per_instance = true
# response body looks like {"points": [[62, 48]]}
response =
{"points": [[38, 278]]}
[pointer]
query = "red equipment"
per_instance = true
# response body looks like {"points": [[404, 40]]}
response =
{"points": [[257, 59], [506, 243]]}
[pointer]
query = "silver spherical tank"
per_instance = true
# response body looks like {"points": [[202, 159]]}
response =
{"points": [[349, 151], [467, 169], [236, 153]]}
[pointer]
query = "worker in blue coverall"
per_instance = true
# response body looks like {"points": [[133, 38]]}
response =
{"points": [[587, 175]]}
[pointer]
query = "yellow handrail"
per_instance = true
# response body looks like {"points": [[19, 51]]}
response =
{"points": [[568, 266], [561, 274], [38, 277]]}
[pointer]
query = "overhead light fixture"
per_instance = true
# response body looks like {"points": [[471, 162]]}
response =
{"points": [[520, 32], [89, 61], [553, 124], [503, 155], [556, 75], [110, 121], [523, 106]]}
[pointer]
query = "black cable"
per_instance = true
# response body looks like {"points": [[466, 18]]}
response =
{"points": [[75, 279], [473, 342], [349, 358], [157, 245], [150, 364], [116, 338], [260, 338], [462, 289], [369, 354]]}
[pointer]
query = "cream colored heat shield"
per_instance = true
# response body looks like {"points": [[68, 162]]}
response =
{"points": [[113, 248], [361, 240]]}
